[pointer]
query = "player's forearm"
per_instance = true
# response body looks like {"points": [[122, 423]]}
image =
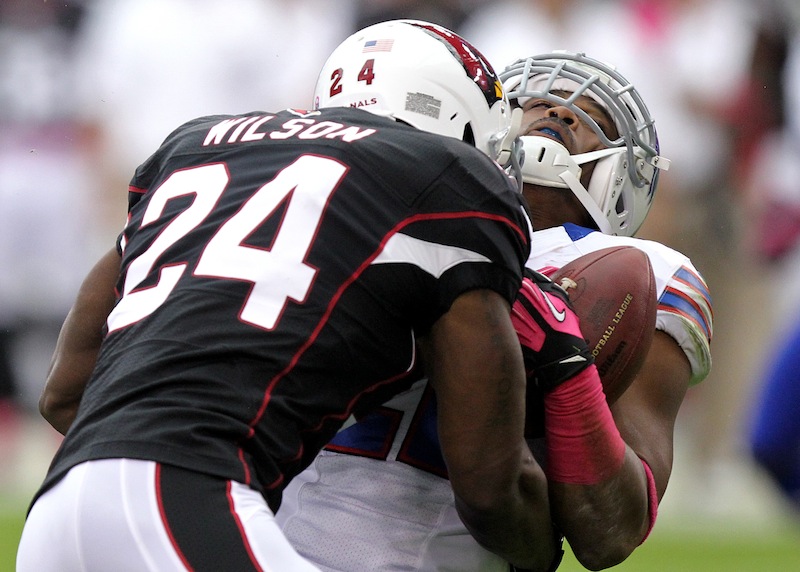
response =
{"points": [[59, 414], [604, 522], [79, 343], [598, 486], [66, 380], [475, 365], [525, 511]]}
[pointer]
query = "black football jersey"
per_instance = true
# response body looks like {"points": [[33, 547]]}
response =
{"points": [[277, 269]]}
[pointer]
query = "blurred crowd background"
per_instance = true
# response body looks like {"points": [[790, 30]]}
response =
{"points": [[88, 89]]}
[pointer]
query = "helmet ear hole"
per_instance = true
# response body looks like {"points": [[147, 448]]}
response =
{"points": [[620, 208], [469, 135]]}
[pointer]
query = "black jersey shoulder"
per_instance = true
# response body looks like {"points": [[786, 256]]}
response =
{"points": [[406, 158], [396, 155]]}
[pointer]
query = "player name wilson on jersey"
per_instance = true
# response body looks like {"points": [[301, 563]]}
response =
{"points": [[244, 129]]}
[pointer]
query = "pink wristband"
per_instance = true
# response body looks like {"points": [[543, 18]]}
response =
{"points": [[652, 498], [584, 446]]}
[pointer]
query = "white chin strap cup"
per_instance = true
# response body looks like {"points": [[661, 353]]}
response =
{"points": [[544, 162], [548, 163]]}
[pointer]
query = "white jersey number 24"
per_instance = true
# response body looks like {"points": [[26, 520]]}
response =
{"points": [[277, 273]]}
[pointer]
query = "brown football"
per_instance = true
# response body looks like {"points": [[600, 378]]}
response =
{"points": [[613, 292]]}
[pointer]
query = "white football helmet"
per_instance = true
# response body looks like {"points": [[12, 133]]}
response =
{"points": [[623, 183], [424, 75]]}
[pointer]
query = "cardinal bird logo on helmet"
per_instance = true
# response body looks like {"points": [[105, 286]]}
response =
{"points": [[475, 65]]}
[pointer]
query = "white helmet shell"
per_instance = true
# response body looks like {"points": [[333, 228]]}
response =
{"points": [[623, 183], [424, 75]]}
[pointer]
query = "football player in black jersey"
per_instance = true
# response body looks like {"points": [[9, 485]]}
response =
{"points": [[278, 273]]}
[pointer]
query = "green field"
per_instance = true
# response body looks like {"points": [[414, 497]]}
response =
{"points": [[711, 552], [666, 551], [10, 529]]}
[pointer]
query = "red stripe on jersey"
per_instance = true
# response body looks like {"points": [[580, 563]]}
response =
{"points": [[404, 455], [387, 422], [163, 514], [245, 542], [447, 216], [245, 467]]}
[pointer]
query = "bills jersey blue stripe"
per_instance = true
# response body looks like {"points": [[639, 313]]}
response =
{"points": [[576, 232], [693, 280], [678, 302], [370, 437]]}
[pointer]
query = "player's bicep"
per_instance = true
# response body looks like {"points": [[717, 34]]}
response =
{"points": [[645, 414]]}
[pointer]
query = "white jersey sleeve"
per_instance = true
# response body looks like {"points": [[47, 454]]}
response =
{"points": [[684, 302]]}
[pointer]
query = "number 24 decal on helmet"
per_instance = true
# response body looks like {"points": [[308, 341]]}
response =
{"points": [[424, 75]]}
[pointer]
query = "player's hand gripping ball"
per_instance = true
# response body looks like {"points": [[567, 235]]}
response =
{"points": [[613, 292]]}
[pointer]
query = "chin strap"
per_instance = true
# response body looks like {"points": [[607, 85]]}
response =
{"points": [[548, 163], [588, 203]]}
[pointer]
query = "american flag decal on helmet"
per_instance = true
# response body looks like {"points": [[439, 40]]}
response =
{"points": [[377, 46]]}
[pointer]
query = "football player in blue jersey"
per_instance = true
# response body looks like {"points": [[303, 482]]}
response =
{"points": [[377, 497], [774, 436], [280, 272]]}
